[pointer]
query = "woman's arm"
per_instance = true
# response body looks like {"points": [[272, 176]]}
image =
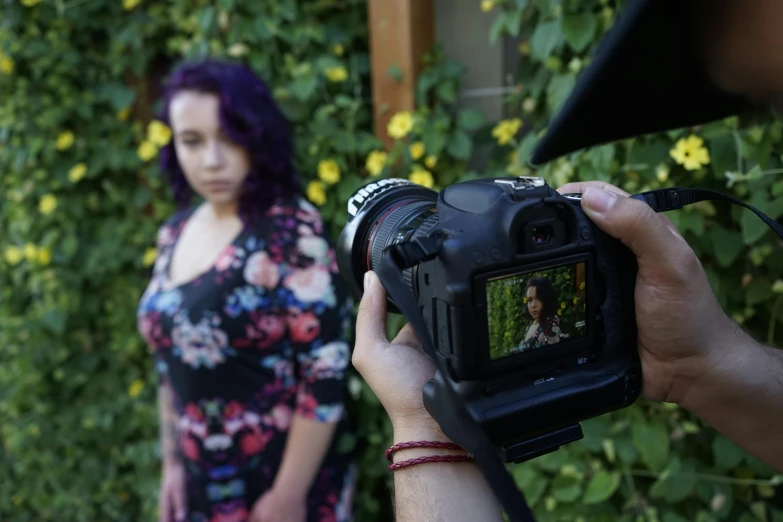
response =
{"points": [[306, 447], [168, 426]]}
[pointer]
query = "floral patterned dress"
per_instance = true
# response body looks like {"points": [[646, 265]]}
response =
{"points": [[547, 333], [257, 339]]}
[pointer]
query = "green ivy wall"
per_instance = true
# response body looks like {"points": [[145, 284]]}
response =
{"points": [[82, 199]]}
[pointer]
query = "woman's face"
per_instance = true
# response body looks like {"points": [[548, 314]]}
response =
{"points": [[534, 305], [213, 165]]}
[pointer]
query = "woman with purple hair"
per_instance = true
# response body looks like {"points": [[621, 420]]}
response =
{"points": [[246, 316]]}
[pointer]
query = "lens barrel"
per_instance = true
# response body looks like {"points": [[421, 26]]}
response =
{"points": [[384, 213]]}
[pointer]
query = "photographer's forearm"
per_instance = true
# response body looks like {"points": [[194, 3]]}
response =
{"points": [[742, 397], [168, 426], [439, 491]]}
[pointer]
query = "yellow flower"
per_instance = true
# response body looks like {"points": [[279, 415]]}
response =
{"points": [[64, 140], [48, 204], [690, 152], [124, 113], [506, 130], [237, 50], [77, 172], [662, 173], [336, 74], [130, 4], [562, 304], [400, 124], [329, 171], [338, 49], [30, 3], [158, 133], [416, 150], [487, 5], [422, 177], [576, 299], [135, 388], [147, 150], [582, 285], [13, 255], [44, 256], [316, 192], [6, 63], [149, 256], [376, 160], [529, 105], [430, 161], [30, 252], [524, 48]]}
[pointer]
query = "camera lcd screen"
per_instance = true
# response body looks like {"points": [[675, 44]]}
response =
{"points": [[535, 310]]}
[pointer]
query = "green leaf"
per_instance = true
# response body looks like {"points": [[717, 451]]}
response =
{"points": [[675, 483], [566, 488], [753, 228], [304, 86], [602, 157], [460, 146], [726, 453], [395, 73], [652, 442], [601, 487], [559, 89], [579, 30], [758, 291], [498, 27], [469, 119], [546, 38], [728, 245]]}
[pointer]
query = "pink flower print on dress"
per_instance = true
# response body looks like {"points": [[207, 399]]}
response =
{"points": [[239, 514], [189, 447], [261, 271], [253, 442], [303, 327], [309, 285], [314, 247], [280, 417], [226, 259], [265, 330], [200, 344], [166, 237]]}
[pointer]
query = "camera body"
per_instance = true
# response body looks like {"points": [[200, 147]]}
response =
{"points": [[529, 306]]}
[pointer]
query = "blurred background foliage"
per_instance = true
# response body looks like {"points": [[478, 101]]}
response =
{"points": [[82, 198]]}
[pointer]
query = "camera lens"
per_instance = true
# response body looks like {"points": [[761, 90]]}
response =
{"points": [[383, 213]]}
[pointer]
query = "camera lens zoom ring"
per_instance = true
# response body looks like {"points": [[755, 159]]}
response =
{"points": [[390, 224]]}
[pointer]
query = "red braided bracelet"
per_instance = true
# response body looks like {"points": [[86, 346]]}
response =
{"points": [[421, 444], [431, 458]]}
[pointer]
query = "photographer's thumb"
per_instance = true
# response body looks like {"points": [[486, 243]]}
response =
{"points": [[651, 236]]}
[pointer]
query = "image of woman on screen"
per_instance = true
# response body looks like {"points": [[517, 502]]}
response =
{"points": [[542, 307]]}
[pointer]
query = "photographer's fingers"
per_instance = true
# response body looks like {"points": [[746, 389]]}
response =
{"points": [[370, 321], [578, 187], [408, 337], [646, 233]]}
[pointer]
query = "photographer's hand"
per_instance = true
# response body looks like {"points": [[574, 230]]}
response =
{"points": [[397, 372], [692, 353]]}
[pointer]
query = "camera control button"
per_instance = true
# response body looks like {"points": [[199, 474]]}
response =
{"points": [[478, 258], [496, 254]]}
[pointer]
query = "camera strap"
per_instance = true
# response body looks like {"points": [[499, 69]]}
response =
{"points": [[663, 200], [450, 412]]}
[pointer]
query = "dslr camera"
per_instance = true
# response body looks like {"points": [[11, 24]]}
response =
{"points": [[526, 307]]}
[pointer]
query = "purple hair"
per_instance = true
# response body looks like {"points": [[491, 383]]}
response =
{"points": [[251, 119]]}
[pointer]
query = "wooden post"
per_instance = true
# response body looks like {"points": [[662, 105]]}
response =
{"points": [[401, 32]]}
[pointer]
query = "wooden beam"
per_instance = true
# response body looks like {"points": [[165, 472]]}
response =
{"points": [[401, 33]]}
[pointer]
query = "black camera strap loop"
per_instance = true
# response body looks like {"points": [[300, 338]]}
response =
{"points": [[663, 200], [450, 412]]}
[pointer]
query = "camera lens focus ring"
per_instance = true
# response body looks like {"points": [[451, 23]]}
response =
{"points": [[390, 225]]}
